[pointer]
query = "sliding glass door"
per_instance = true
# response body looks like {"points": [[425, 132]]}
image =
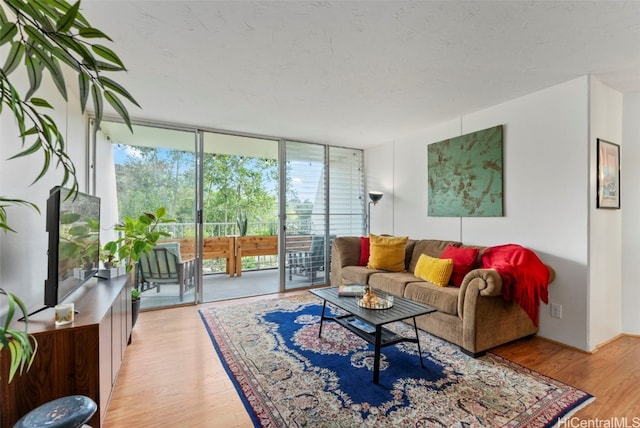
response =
{"points": [[239, 215], [254, 215], [137, 173], [305, 214], [346, 192], [324, 188]]}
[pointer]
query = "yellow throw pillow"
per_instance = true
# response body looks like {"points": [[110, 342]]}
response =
{"points": [[387, 252], [437, 271]]}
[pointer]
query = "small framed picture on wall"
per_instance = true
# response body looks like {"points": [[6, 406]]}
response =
{"points": [[608, 175]]}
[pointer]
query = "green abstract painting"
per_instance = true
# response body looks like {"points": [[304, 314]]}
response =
{"points": [[465, 175]]}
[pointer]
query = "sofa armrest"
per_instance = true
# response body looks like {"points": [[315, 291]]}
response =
{"points": [[485, 282], [345, 251], [489, 282], [482, 282], [552, 274]]}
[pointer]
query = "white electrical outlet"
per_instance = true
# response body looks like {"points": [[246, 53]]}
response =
{"points": [[556, 310]]}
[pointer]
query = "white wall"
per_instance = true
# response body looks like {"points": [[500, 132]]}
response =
{"points": [[546, 192], [23, 255], [630, 203], [605, 238], [410, 207], [380, 178]]}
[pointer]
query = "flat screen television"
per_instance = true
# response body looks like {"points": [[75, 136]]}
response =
{"points": [[73, 223]]}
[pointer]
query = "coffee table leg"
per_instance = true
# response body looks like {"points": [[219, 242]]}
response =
{"points": [[376, 358], [415, 327], [324, 305]]}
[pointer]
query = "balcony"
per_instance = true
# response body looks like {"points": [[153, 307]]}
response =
{"points": [[233, 266]]}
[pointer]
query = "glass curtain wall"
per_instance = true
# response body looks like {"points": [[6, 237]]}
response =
{"points": [[324, 199], [240, 216], [140, 172], [267, 209], [346, 192], [305, 214]]}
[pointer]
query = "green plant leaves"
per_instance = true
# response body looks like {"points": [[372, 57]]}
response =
{"points": [[140, 235], [34, 71], [54, 69], [7, 32], [97, 104], [40, 34], [21, 345], [66, 21], [118, 107], [83, 84], [93, 33], [161, 212], [41, 102], [5, 202], [108, 54], [13, 59], [116, 87]]}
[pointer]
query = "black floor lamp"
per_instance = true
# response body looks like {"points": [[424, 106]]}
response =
{"points": [[374, 198]]}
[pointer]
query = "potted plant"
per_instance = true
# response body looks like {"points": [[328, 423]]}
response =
{"points": [[108, 258], [139, 235], [21, 345], [135, 305]]}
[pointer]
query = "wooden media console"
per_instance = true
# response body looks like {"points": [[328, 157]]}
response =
{"points": [[80, 358]]}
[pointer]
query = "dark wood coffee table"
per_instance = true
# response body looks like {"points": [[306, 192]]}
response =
{"points": [[402, 309]]}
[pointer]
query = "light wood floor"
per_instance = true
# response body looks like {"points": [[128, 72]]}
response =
{"points": [[172, 377]]}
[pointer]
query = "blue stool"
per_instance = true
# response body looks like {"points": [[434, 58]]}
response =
{"points": [[66, 412]]}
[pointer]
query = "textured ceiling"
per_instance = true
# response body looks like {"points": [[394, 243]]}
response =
{"points": [[358, 73]]}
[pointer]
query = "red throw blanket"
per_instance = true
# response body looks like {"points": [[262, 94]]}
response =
{"points": [[524, 277]]}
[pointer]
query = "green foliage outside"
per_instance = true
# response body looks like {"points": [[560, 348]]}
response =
{"points": [[234, 187], [156, 178], [240, 186]]}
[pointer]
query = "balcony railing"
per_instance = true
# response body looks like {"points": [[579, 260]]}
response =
{"points": [[215, 258], [259, 252], [188, 230]]}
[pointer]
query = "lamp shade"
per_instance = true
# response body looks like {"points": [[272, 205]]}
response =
{"points": [[375, 196]]}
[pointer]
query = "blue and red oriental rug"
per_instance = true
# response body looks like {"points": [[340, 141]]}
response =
{"points": [[288, 377]]}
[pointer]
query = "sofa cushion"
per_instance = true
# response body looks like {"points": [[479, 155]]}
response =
{"points": [[444, 299], [408, 252], [430, 247], [387, 253], [356, 274], [435, 270], [348, 248], [391, 282], [464, 259], [364, 250], [480, 249]]}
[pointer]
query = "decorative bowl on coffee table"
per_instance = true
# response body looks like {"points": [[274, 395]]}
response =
{"points": [[381, 300]]}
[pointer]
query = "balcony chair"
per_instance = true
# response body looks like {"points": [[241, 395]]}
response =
{"points": [[309, 262], [164, 265]]}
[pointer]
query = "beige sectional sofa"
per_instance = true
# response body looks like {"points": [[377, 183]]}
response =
{"points": [[473, 316]]}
